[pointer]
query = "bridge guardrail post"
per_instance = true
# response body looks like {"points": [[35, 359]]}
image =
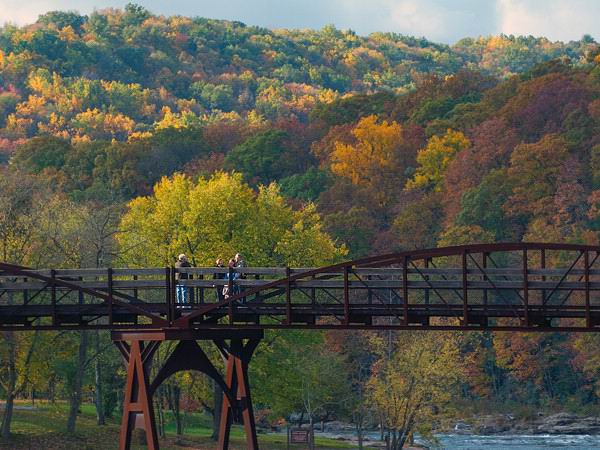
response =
{"points": [[525, 287], [173, 289], [465, 281], [110, 295], [484, 258], [543, 265], [168, 300], [405, 290], [230, 293], [53, 297], [588, 316], [346, 297]]}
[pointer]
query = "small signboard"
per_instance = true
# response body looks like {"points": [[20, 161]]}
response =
{"points": [[300, 436]]}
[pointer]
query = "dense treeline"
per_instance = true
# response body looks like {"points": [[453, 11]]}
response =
{"points": [[299, 147]]}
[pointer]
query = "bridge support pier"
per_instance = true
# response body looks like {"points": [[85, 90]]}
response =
{"points": [[138, 349]]}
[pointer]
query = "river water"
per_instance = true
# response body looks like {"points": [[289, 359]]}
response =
{"points": [[518, 442], [497, 442]]}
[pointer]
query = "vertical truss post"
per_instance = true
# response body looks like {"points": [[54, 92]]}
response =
{"points": [[138, 411], [135, 290], [346, 297], [484, 256], [53, 298], [288, 297], [173, 294], [110, 295], [313, 293], [168, 298], [525, 288], [405, 291], [80, 297], [200, 290], [230, 293], [465, 290], [588, 316], [543, 266], [426, 277]]}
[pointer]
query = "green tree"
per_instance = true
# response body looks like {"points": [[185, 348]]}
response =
{"points": [[42, 152], [261, 158], [484, 206]]}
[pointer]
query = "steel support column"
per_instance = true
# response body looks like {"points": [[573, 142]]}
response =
{"points": [[138, 411], [238, 357], [138, 349]]}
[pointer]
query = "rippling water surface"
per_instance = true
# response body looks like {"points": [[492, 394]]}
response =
{"points": [[507, 442]]}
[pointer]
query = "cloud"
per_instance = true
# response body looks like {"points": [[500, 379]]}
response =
{"points": [[556, 19], [440, 20]]}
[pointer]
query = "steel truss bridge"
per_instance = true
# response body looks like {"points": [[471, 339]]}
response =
{"points": [[501, 287]]}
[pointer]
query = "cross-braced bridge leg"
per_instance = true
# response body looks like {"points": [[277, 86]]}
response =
{"points": [[187, 355], [137, 405], [238, 356]]}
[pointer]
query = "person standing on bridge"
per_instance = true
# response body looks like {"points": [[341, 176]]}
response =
{"points": [[240, 264], [219, 276], [183, 293], [230, 275]]}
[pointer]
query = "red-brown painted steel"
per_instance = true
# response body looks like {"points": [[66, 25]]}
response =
{"points": [[137, 405], [138, 349]]}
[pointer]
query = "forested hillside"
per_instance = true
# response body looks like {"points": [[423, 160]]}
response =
{"points": [[354, 146]]}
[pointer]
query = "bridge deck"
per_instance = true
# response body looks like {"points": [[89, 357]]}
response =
{"points": [[536, 287]]}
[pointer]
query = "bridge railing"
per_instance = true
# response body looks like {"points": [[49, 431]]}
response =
{"points": [[531, 284]]}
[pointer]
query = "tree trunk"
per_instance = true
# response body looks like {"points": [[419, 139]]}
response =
{"points": [[75, 398], [174, 397], [7, 418], [98, 398], [161, 415], [218, 399], [11, 385], [359, 435]]}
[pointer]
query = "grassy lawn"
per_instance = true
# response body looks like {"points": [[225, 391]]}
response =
{"points": [[44, 428]]}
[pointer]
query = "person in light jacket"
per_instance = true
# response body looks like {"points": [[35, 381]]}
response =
{"points": [[183, 292]]}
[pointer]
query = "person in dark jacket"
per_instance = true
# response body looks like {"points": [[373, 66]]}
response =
{"points": [[219, 276], [183, 293], [239, 263], [234, 276]]}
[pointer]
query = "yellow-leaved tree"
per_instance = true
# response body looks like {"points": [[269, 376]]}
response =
{"points": [[412, 382], [377, 160], [433, 160], [219, 217]]}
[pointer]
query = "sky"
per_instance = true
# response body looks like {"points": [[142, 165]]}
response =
{"points": [[439, 20]]}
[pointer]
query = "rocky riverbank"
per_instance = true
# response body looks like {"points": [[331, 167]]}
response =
{"points": [[498, 424], [559, 424]]}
